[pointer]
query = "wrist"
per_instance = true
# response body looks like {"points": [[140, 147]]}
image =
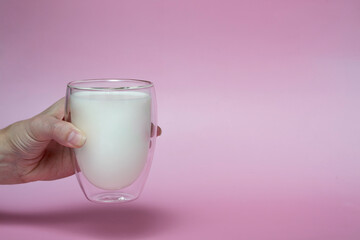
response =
{"points": [[3, 145], [8, 169]]}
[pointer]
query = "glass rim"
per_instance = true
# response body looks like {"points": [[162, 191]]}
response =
{"points": [[142, 84]]}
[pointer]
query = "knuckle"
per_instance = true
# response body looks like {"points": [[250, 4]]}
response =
{"points": [[36, 124], [59, 128]]}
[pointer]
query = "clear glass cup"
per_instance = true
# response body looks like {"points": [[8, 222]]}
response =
{"points": [[119, 119]]}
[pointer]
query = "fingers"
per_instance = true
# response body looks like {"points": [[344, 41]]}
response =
{"points": [[46, 128], [158, 130], [48, 125]]}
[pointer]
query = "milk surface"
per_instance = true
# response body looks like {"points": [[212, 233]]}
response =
{"points": [[117, 126]]}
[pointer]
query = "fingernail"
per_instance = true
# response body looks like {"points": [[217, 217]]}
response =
{"points": [[76, 138]]}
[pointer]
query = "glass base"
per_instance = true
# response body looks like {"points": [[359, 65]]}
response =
{"points": [[112, 197]]}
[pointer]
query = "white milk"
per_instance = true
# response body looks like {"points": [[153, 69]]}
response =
{"points": [[117, 126]]}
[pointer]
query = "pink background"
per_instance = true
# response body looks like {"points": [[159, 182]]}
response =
{"points": [[259, 102]]}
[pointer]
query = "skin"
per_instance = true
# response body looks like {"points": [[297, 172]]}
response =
{"points": [[38, 148]]}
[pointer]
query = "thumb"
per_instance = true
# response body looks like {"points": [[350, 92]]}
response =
{"points": [[45, 128]]}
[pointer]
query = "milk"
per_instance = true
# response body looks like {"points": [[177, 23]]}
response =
{"points": [[117, 126]]}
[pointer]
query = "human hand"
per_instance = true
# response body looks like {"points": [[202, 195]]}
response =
{"points": [[38, 148]]}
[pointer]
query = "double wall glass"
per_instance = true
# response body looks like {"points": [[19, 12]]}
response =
{"points": [[119, 119]]}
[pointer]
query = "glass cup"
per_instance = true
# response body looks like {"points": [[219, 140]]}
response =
{"points": [[118, 117]]}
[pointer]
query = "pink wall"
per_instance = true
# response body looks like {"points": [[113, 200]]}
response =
{"points": [[259, 102]]}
